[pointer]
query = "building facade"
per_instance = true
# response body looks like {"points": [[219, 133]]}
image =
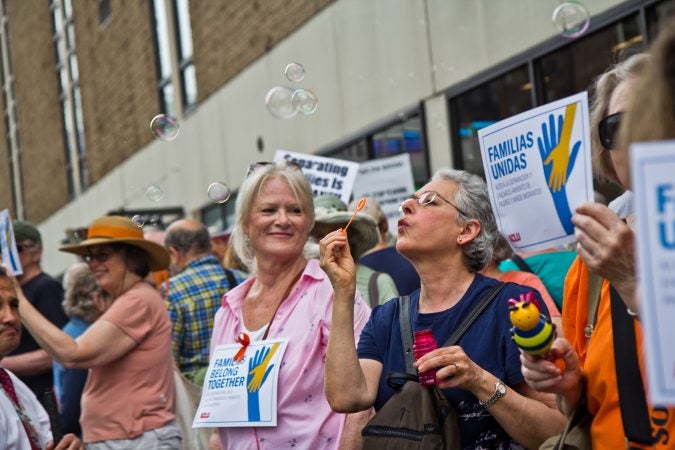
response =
{"points": [[82, 80]]}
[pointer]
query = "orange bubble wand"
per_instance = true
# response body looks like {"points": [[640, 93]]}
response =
{"points": [[359, 207]]}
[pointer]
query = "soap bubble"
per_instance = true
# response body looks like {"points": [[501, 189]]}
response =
{"points": [[164, 127], [294, 72], [218, 192], [138, 220], [571, 19], [304, 101], [154, 193], [278, 102]]}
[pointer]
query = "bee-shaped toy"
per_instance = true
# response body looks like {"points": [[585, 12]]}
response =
{"points": [[532, 331]]}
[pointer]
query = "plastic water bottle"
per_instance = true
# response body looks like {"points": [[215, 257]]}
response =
{"points": [[423, 343]]}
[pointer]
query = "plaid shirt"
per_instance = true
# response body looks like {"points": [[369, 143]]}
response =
{"points": [[193, 298]]}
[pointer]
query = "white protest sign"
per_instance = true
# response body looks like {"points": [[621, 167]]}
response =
{"points": [[325, 175], [10, 255], [242, 393], [653, 166], [389, 181], [538, 170]]}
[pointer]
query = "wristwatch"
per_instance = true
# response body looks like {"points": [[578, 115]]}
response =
{"points": [[500, 391]]}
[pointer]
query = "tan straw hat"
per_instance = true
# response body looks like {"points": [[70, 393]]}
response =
{"points": [[117, 229]]}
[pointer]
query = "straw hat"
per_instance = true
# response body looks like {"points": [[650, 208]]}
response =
{"points": [[331, 213], [117, 229]]}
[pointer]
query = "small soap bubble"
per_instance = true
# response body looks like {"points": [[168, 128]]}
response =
{"points": [[138, 220], [294, 72], [218, 192], [154, 193], [305, 101], [164, 127], [278, 102], [571, 19]]}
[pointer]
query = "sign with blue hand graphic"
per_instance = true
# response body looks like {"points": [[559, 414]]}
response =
{"points": [[240, 388], [538, 170], [652, 169], [10, 255]]}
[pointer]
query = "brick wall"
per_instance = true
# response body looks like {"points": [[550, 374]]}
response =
{"points": [[38, 108], [118, 79], [229, 35]]}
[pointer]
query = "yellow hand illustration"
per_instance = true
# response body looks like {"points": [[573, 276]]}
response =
{"points": [[258, 370], [559, 156]]}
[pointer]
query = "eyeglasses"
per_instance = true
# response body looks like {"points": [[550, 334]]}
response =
{"points": [[21, 247], [607, 129], [429, 198], [98, 257], [255, 166]]}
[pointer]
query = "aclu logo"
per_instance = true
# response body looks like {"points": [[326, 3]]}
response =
{"points": [[205, 415], [514, 237]]}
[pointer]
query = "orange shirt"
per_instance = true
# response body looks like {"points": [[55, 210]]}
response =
{"points": [[597, 363]]}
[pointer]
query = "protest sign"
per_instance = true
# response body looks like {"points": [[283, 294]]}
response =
{"points": [[10, 255], [653, 166], [242, 392], [387, 180], [538, 170], [325, 175]]}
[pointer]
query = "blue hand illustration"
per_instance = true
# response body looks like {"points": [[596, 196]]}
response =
{"points": [[258, 370], [558, 162]]}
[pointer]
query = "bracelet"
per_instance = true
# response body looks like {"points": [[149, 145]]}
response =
{"points": [[632, 313]]}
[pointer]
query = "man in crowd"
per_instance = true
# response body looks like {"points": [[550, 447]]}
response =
{"points": [[24, 423], [29, 362], [196, 287]]}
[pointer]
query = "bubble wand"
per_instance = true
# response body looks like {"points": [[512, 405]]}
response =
{"points": [[359, 207]]}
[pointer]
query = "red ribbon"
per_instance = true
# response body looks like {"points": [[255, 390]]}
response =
{"points": [[244, 340]]}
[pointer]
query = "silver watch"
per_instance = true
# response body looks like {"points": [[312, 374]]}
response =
{"points": [[500, 391]]}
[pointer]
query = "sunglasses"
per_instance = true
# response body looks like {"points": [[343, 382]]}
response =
{"points": [[607, 129], [98, 257], [255, 166], [21, 247]]}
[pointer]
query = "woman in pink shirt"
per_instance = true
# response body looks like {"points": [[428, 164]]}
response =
{"points": [[290, 297]]}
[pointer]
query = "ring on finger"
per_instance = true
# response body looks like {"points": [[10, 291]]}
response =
{"points": [[456, 366]]}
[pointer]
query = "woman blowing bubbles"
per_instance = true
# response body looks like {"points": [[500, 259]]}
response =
{"points": [[447, 232]]}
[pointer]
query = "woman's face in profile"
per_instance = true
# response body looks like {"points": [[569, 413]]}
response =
{"points": [[278, 223]]}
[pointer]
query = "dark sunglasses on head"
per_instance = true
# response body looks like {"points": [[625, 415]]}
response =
{"points": [[255, 166], [608, 128]]}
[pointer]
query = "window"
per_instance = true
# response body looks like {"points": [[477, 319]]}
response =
{"points": [[103, 11], [173, 39], [484, 105], [657, 15], [71, 102], [220, 216]]}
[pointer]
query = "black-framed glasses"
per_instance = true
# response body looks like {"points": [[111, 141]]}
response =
{"points": [[608, 128], [257, 165], [98, 257], [429, 198]]}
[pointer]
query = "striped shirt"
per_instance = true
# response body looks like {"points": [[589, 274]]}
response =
{"points": [[193, 298]]}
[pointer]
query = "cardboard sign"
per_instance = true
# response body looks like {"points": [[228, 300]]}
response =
{"points": [[652, 167], [538, 170], [389, 181], [325, 175], [242, 393], [10, 254]]}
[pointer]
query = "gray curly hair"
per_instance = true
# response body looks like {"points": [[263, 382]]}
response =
{"points": [[473, 201], [81, 290]]}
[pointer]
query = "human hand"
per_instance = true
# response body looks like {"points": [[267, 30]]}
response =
{"points": [[454, 368], [336, 260], [544, 375], [257, 367], [68, 442]]}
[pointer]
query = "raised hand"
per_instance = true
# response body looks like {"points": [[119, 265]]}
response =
{"points": [[258, 369]]}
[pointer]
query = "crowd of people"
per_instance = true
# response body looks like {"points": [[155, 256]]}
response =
{"points": [[98, 366]]}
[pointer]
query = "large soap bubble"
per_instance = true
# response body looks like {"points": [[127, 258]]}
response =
{"points": [[571, 19]]}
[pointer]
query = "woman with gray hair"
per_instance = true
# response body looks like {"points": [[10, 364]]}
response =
{"points": [[447, 232]]}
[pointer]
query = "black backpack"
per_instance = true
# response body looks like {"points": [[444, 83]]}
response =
{"points": [[416, 416]]}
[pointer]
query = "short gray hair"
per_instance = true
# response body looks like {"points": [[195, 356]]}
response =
{"points": [[79, 300], [249, 191], [185, 240], [473, 201]]}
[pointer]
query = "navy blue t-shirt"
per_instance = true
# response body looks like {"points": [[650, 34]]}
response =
{"points": [[487, 342]]}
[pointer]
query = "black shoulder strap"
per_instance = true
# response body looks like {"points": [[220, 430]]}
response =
{"points": [[373, 291], [473, 315], [406, 333], [231, 279], [632, 402], [520, 262]]}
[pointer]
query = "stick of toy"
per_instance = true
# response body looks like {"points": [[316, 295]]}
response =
{"points": [[359, 207]]}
